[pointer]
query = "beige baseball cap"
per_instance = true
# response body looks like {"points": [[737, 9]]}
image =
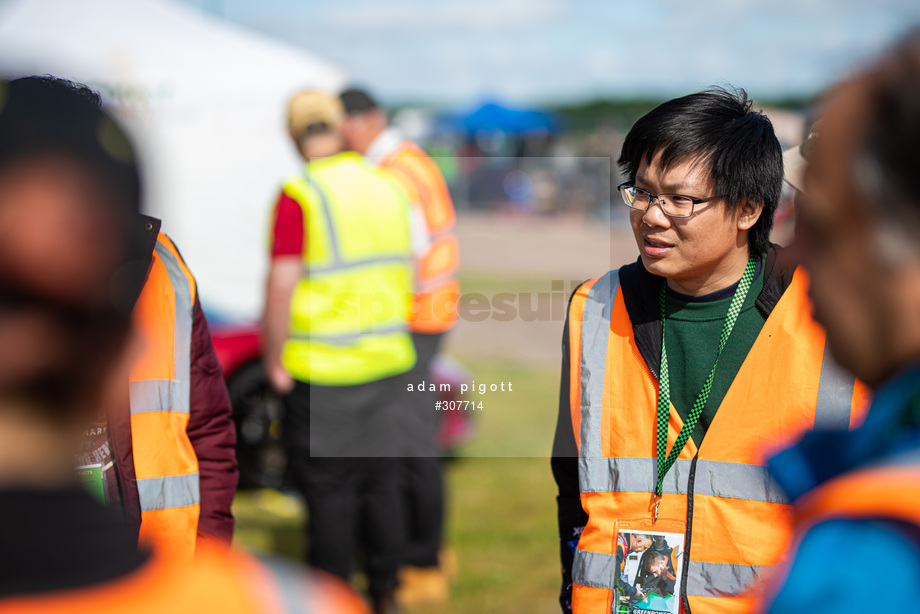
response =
{"points": [[310, 107]]}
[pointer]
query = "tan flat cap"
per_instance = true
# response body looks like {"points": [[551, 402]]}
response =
{"points": [[313, 107]]}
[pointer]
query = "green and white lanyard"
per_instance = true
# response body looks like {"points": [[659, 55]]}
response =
{"points": [[664, 390]]}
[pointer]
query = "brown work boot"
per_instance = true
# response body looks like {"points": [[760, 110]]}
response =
{"points": [[422, 585], [447, 558]]}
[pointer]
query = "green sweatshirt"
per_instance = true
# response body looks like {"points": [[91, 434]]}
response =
{"points": [[694, 325]]}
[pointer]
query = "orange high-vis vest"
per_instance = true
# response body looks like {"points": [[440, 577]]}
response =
{"points": [[218, 580], [164, 460], [735, 520], [437, 288], [889, 490]]}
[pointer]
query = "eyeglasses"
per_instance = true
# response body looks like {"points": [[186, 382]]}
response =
{"points": [[673, 205], [809, 143]]}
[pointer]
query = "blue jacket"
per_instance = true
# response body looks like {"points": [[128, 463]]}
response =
{"points": [[844, 566]]}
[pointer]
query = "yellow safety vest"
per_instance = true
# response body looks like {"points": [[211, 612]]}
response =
{"points": [[349, 309], [165, 463]]}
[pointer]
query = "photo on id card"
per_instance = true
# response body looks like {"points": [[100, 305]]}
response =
{"points": [[648, 571]]}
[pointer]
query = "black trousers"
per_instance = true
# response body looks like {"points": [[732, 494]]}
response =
{"points": [[421, 470], [341, 457]]}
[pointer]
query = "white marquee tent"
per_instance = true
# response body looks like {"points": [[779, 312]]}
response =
{"points": [[205, 100]]}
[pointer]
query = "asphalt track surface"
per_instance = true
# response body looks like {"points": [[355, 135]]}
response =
{"points": [[534, 256]]}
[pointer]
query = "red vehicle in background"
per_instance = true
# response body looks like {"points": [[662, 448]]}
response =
{"points": [[258, 411]]}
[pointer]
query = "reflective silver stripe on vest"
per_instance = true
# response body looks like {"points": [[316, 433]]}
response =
{"points": [[713, 478], [736, 481], [703, 579], [630, 475], [170, 395], [157, 395], [595, 330], [594, 569], [296, 588], [351, 338], [835, 395], [721, 579], [434, 236], [167, 492], [431, 284], [182, 342], [327, 214], [312, 269]]}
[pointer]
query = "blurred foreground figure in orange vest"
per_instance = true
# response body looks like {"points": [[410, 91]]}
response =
{"points": [[167, 456], [69, 195], [858, 230], [433, 313]]}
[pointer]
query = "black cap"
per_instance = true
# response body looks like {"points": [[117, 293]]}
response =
{"points": [[357, 101]]}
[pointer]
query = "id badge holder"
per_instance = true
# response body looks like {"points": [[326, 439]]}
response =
{"points": [[647, 575], [93, 480]]}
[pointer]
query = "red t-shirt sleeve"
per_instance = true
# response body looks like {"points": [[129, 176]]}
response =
{"points": [[287, 235]]}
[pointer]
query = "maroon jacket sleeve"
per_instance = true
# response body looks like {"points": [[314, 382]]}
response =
{"points": [[212, 433]]}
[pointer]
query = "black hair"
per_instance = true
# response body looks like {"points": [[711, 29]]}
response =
{"points": [[650, 556], [356, 101], [719, 128], [45, 113]]}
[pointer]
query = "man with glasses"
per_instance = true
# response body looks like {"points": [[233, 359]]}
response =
{"points": [[681, 368]]}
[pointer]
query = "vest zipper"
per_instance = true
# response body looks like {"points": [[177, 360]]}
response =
{"points": [[688, 532]]}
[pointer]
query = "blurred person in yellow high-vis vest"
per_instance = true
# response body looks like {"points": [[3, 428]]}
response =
{"points": [[336, 336], [433, 313]]}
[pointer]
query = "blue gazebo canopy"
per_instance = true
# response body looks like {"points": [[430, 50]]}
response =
{"points": [[492, 116]]}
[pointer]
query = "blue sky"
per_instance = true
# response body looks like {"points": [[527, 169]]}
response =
{"points": [[455, 51]]}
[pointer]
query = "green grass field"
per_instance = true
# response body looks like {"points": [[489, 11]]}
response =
{"points": [[501, 520]]}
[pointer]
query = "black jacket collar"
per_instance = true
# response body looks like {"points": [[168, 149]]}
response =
{"points": [[137, 267], [640, 295]]}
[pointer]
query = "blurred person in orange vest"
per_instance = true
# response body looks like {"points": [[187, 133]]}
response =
{"points": [[178, 402], [434, 312], [858, 230], [168, 458], [69, 196]]}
